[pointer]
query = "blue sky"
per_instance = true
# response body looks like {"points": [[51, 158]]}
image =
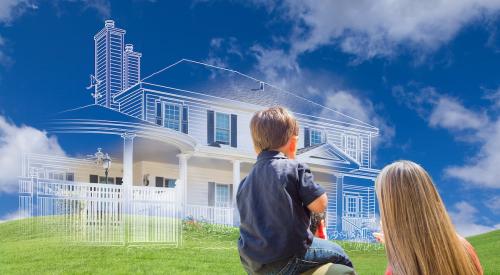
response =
{"points": [[425, 73]]}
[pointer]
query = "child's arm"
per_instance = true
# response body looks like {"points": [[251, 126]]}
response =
{"points": [[318, 205], [311, 193]]}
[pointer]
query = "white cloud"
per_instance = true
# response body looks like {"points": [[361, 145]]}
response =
{"points": [[472, 126], [9, 9], [14, 142], [222, 50], [19, 214], [370, 29], [465, 219], [482, 169], [451, 114], [362, 109], [102, 7], [325, 89], [494, 204]]}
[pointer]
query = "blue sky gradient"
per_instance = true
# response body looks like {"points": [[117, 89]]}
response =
{"points": [[432, 87]]}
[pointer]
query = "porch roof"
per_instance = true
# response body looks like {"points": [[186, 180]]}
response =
{"points": [[97, 119]]}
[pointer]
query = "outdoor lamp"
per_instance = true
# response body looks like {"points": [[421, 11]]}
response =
{"points": [[106, 164]]}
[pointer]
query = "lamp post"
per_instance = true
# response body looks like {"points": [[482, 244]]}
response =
{"points": [[102, 160], [106, 164]]}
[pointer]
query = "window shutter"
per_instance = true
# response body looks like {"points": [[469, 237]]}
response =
{"points": [[184, 119], [159, 181], [307, 137], [234, 131], [230, 195], [159, 115], [211, 194], [210, 127], [94, 179]]}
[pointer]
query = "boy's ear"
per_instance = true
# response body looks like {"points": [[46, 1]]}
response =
{"points": [[292, 146]]}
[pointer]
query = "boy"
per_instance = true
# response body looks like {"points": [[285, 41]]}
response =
{"points": [[275, 202]]}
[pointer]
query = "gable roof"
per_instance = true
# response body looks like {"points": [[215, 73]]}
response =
{"points": [[224, 83], [327, 154]]}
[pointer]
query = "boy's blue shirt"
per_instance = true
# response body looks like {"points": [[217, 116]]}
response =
{"points": [[272, 201]]}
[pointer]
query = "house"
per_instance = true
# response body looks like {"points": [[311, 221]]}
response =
{"points": [[186, 128]]}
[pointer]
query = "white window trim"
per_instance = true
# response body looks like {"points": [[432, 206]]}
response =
{"points": [[216, 196], [358, 199], [163, 106], [358, 147], [215, 128]]}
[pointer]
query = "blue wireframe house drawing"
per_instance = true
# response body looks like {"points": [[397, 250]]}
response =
{"points": [[186, 138]]}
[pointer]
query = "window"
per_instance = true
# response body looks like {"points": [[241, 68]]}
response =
{"points": [[94, 179], [159, 181], [351, 146], [70, 176], [316, 137], [56, 175], [222, 128], [222, 195], [172, 116], [164, 182], [352, 206], [110, 180], [170, 183], [119, 180]]}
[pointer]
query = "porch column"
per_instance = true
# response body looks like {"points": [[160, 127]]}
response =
{"points": [[236, 183], [340, 201], [183, 176], [128, 166]]}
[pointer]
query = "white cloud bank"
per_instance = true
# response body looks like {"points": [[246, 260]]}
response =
{"points": [[465, 218], [467, 125], [370, 29], [16, 141]]}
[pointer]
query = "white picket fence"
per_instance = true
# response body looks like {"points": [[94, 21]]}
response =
{"points": [[102, 213], [209, 214]]}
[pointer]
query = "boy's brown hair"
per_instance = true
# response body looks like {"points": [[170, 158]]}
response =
{"points": [[272, 128]]}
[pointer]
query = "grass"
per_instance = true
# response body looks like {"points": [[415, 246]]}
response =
{"points": [[206, 250]]}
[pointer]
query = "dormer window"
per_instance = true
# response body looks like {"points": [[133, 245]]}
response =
{"points": [[172, 118], [222, 128], [172, 115]]}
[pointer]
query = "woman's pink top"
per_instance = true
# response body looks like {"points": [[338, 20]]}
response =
{"points": [[470, 250]]}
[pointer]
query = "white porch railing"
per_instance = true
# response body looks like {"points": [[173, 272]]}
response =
{"points": [[358, 227], [210, 214]]}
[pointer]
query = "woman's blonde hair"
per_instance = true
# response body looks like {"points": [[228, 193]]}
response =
{"points": [[419, 236]]}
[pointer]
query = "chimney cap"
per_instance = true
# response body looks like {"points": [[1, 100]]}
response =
{"points": [[109, 23], [129, 48]]}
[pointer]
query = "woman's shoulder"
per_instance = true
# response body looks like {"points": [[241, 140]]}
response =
{"points": [[472, 253]]}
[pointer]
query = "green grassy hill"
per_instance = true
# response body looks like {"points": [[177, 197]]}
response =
{"points": [[206, 250]]}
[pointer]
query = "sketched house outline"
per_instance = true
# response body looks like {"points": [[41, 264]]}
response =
{"points": [[186, 127]]}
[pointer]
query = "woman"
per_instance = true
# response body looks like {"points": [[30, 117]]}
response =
{"points": [[418, 234]]}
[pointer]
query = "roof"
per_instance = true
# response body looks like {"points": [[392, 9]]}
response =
{"points": [[97, 119], [327, 154], [229, 84], [95, 111]]}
